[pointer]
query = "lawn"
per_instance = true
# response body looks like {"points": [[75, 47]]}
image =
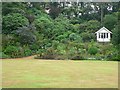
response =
{"points": [[23, 73]]}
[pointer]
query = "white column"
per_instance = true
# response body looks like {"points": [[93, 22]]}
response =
{"points": [[97, 36], [100, 35], [108, 35]]}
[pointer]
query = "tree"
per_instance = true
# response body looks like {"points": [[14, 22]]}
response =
{"points": [[25, 35], [12, 22], [44, 26], [116, 37], [110, 21], [54, 10], [13, 7], [86, 37]]}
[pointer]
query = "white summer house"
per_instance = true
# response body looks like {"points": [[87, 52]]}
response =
{"points": [[103, 35]]}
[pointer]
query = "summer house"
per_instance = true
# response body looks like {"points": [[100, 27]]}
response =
{"points": [[103, 35]]}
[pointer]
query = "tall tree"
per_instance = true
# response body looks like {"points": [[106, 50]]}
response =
{"points": [[101, 13], [116, 36]]}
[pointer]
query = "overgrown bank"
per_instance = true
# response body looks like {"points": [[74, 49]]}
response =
{"points": [[29, 30]]}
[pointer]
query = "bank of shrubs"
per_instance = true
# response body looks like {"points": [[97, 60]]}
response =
{"points": [[69, 50], [82, 51], [58, 38]]}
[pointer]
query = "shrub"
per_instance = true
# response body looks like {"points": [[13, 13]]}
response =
{"points": [[54, 52], [92, 50], [3, 55], [27, 52], [12, 51], [34, 47], [115, 57], [61, 49], [72, 36]]}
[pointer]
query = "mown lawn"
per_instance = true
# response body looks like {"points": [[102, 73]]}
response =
{"points": [[59, 74]]}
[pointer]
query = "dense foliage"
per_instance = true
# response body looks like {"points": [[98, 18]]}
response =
{"points": [[55, 30]]}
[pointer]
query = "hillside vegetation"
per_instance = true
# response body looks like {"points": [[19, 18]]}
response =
{"points": [[63, 33]]}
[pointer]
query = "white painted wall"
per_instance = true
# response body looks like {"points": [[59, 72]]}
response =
{"points": [[103, 39]]}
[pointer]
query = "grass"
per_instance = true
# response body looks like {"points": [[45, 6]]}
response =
{"points": [[59, 74]]}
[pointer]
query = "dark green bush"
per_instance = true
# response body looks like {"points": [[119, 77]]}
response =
{"points": [[114, 57], [92, 50], [34, 48], [13, 21], [27, 52], [3, 55], [12, 51]]}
